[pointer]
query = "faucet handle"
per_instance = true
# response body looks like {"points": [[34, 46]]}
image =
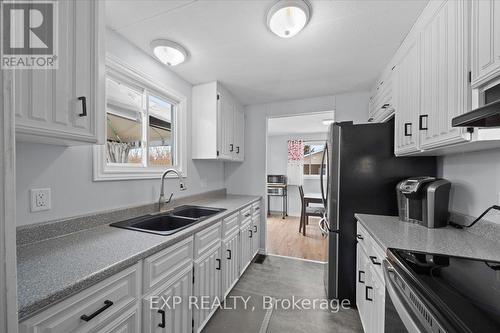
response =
{"points": [[170, 197], [182, 187]]}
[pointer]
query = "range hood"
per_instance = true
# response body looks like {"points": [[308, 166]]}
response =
{"points": [[485, 116]]}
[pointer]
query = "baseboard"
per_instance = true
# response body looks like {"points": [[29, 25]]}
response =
{"points": [[294, 258]]}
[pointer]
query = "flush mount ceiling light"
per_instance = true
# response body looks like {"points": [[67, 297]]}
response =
{"points": [[328, 121], [286, 18], [168, 52]]}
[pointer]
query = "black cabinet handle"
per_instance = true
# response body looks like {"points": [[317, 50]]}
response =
{"points": [[218, 266], [366, 293], [107, 304], [247, 215], [408, 129], [237, 150], [374, 261], [385, 106], [251, 233], [257, 208], [162, 324], [358, 236], [421, 122], [84, 106], [255, 228], [231, 147], [229, 255], [359, 277]]}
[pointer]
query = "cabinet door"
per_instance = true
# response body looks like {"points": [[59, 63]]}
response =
{"points": [[49, 104], [444, 85], [362, 280], [173, 317], [239, 134], [230, 260], [378, 303], [226, 127], [246, 233], [207, 286], [407, 100], [485, 40], [255, 233]]}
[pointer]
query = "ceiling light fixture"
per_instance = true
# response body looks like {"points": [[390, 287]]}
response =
{"points": [[168, 52], [328, 121], [286, 18]]}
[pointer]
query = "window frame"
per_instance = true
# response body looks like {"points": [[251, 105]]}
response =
{"points": [[309, 176], [103, 171]]}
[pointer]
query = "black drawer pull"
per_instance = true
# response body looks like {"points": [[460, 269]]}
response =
{"points": [[366, 293], [251, 233], [231, 147], [421, 122], [237, 150], [247, 215], [374, 261], [408, 129], [385, 106], [218, 264], [229, 255], [107, 304], [257, 208], [255, 228], [84, 106], [162, 324], [358, 236], [359, 277]]}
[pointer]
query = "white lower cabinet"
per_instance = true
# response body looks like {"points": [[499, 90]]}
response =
{"points": [[156, 294], [370, 285], [230, 262], [167, 308], [207, 286]]}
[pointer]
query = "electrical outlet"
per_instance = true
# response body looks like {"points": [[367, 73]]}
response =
{"points": [[40, 199]]}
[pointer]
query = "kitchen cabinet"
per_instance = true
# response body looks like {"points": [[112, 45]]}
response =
{"points": [[256, 229], [381, 105], [207, 286], [370, 284], [444, 81], [172, 317], [485, 41], [407, 99], [230, 262], [246, 232], [218, 124], [65, 106]]}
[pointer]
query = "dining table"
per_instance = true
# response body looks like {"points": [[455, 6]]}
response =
{"points": [[312, 197]]}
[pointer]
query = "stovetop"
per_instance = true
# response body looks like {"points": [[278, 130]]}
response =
{"points": [[466, 292]]}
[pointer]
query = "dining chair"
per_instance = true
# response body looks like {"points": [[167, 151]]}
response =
{"points": [[306, 211]]}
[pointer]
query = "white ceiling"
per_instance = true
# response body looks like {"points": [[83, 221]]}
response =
{"points": [[304, 124], [344, 47]]}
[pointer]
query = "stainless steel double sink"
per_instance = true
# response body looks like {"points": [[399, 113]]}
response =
{"points": [[170, 222]]}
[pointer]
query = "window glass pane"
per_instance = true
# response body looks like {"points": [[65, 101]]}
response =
{"points": [[124, 115], [160, 132], [313, 153]]}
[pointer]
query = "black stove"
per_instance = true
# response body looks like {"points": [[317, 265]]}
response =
{"points": [[444, 293]]}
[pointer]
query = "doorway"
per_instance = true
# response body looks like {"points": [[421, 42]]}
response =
{"points": [[294, 154]]}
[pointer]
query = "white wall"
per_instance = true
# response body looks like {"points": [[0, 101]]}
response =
{"points": [[277, 158], [475, 181], [68, 170]]}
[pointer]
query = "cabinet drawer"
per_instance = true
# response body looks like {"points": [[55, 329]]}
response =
{"points": [[246, 212], [230, 224], [161, 266], [376, 256], [100, 304], [363, 237], [256, 207], [207, 239], [129, 322]]}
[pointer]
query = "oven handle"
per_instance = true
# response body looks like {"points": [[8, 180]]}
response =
{"points": [[400, 304]]}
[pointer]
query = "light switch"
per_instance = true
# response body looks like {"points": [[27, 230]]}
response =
{"points": [[40, 199]]}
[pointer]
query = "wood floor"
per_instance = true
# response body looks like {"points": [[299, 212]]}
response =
{"points": [[284, 239]]}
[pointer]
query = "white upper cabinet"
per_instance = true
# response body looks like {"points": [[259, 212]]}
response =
{"points": [[218, 124], [407, 98], [381, 106], [485, 41], [63, 106], [444, 84]]}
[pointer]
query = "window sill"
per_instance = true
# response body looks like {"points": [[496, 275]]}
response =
{"points": [[313, 177]]}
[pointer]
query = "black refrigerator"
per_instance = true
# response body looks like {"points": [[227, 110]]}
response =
{"points": [[361, 177]]}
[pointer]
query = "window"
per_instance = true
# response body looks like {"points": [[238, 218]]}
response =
{"points": [[144, 128], [313, 154]]}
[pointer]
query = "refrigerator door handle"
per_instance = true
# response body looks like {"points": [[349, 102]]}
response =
{"points": [[324, 194]]}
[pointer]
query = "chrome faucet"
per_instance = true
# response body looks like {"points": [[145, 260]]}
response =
{"points": [[162, 190]]}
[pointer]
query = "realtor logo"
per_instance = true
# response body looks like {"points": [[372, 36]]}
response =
{"points": [[29, 35]]}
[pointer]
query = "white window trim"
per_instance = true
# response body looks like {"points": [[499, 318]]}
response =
{"points": [[103, 171]]}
